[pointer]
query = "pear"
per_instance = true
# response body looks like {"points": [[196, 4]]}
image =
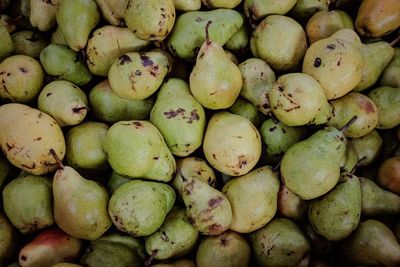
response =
{"points": [[150, 19], [376, 18], [7, 171], [258, 78], [372, 244], [113, 10], [228, 249], [7, 46], [140, 207], [304, 9], [8, 239], [175, 238], [373, 64], [29, 43], [246, 109], [291, 205], [319, 244], [80, 205], [231, 144], [43, 14], [282, 50], [138, 75], [389, 174], [187, 5], [58, 38], [27, 202], [280, 243], [76, 31], [27, 137], [221, 3], [136, 149], [387, 100], [298, 99], [108, 107], [253, 198], [258, 9], [207, 209], [337, 214], [59, 60], [222, 87], [192, 167], [50, 247], [335, 62], [239, 41], [367, 147], [21, 78], [390, 75], [188, 33], [325, 23], [179, 117], [377, 201], [85, 147], [107, 44], [355, 104], [115, 180], [176, 263], [350, 159], [64, 101]]}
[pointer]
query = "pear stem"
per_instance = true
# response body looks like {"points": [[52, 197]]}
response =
{"points": [[277, 166], [150, 260], [357, 164], [348, 124], [207, 34], [395, 41], [59, 163]]}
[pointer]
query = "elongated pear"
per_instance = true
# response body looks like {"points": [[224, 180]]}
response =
{"points": [[43, 14]]}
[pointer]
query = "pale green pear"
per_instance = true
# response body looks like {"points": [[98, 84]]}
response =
{"points": [[390, 75], [246, 109], [304, 9], [367, 147], [207, 209], [43, 14], [350, 159], [253, 198], [179, 117], [187, 5], [298, 99], [8, 239], [33, 134], [372, 244], [280, 243], [113, 10], [107, 44], [258, 9], [175, 238], [29, 43], [80, 205], [291, 205], [231, 144], [387, 99], [239, 41], [28, 203], [140, 207], [228, 249], [7, 46], [64, 101], [21, 77], [335, 62], [58, 38], [76, 31], [114, 181], [188, 34], [50, 247], [221, 3], [136, 149]]}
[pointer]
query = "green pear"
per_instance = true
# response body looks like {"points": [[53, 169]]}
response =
{"points": [[188, 34], [280, 243], [258, 79], [76, 31], [372, 244], [390, 75], [187, 5], [222, 87], [298, 99], [108, 107], [354, 104], [350, 159], [115, 180], [28, 203], [377, 201], [335, 62], [85, 147], [58, 38], [43, 14], [80, 205], [64, 101], [138, 75], [8, 239], [60, 61], [207, 209], [179, 117], [389, 174], [150, 19], [29, 43], [107, 44], [221, 3], [136, 149], [282, 50], [27, 137], [337, 214], [176, 237], [231, 144], [376, 56], [140, 207], [21, 78], [7, 46], [367, 147], [253, 198], [246, 109], [239, 41], [113, 10], [304, 9], [387, 100], [258, 9], [228, 249], [291, 205], [50, 247]]}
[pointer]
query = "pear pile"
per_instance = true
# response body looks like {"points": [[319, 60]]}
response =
{"points": [[208, 133]]}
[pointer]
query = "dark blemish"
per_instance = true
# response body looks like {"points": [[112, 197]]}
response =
{"points": [[265, 106], [198, 19], [8, 74], [283, 130], [214, 228], [137, 124], [201, 55], [241, 162], [79, 109], [198, 172], [9, 146], [261, 74], [290, 95], [269, 250], [368, 107], [164, 16], [31, 167], [317, 62], [138, 73], [331, 46], [49, 94], [40, 115], [187, 145], [125, 124], [173, 113], [272, 129], [124, 59], [339, 62], [164, 236], [280, 88], [224, 241], [214, 202], [154, 70], [189, 187], [152, 36], [156, 158], [146, 61], [194, 116], [209, 181], [23, 70], [214, 156], [162, 9], [23, 258], [37, 139]]}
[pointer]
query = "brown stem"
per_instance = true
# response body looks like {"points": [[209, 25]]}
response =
{"points": [[150, 260], [357, 164], [277, 166], [59, 163], [395, 41], [348, 124], [207, 34]]}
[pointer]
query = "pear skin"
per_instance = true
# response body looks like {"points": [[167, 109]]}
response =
{"points": [[387, 100], [390, 75], [8, 239], [389, 174], [43, 14]]}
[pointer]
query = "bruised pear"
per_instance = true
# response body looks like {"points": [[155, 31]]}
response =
{"points": [[387, 99]]}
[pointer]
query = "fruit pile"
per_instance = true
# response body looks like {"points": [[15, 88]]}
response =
{"points": [[209, 133]]}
